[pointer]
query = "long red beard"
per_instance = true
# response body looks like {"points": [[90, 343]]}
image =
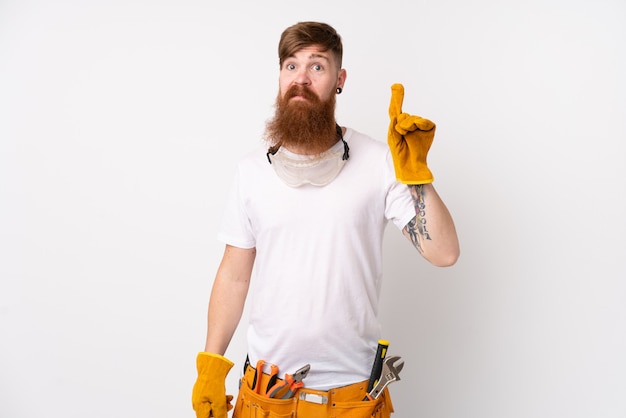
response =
{"points": [[306, 126]]}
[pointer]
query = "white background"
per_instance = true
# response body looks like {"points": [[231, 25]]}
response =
{"points": [[121, 122]]}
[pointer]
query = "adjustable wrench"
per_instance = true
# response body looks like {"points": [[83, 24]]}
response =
{"points": [[390, 373]]}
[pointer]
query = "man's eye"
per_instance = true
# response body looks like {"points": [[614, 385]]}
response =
{"points": [[317, 67], [290, 66]]}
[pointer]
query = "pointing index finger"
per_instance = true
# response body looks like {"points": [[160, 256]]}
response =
{"points": [[397, 96]]}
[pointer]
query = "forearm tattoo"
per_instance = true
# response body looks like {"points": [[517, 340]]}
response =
{"points": [[416, 228]]}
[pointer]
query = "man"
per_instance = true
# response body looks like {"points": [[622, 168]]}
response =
{"points": [[309, 212]]}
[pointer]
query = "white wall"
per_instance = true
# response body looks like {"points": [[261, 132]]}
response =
{"points": [[121, 121]]}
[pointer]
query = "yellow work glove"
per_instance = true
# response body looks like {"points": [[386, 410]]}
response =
{"points": [[209, 392], [409, 138]]}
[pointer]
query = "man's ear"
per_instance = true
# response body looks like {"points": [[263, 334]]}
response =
{"points": [[341, 79]]}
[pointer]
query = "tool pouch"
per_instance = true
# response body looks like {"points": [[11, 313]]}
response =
{"points": [[344, 402]]}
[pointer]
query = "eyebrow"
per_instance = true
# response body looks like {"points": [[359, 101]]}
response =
{"points": [[318, 56], [313, 56]]}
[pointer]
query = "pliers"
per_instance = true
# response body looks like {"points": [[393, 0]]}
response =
{"points": [[273, 378], [292, 382], [256, 383]]}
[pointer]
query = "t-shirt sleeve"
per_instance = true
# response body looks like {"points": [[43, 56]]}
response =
{"points": [[399, 207], [235, 228]]}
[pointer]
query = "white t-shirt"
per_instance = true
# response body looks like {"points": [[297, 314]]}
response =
{"points": [[318, 267]]}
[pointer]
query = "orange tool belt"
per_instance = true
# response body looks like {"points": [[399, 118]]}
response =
{"points": [[342, 402]]}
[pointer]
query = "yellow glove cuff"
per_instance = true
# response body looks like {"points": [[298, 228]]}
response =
{"points": [[217, 356]]}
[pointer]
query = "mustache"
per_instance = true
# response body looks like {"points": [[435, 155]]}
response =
{"points": [[298, 90]]}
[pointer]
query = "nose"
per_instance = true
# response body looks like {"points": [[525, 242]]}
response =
{"points": [[302, 77]]}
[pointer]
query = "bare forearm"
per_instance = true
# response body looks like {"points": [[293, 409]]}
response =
{"points": [[432, 231], [227, 298]]}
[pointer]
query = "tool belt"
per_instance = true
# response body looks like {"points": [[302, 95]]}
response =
{"points": [[342, 402]]}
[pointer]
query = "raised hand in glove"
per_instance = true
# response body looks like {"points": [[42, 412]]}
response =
{"points": [[409, 138], [209, 397]]}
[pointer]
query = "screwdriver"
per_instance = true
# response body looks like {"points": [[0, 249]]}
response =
{"points": [[377, 367]]}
